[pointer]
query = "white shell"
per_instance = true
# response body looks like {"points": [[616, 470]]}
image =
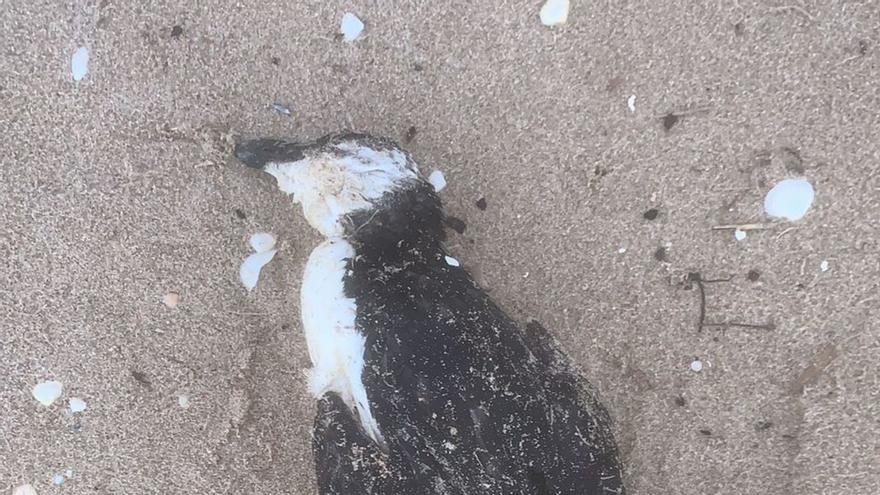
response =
{"points": [[437, 180], [554, 12], [739, 234], [249, 273], [79, 63], [24, 490], [76, 405], [631, 103], [172, 299], [452, 261], [697, 366], [351, 27], [789, 199], [47, 392], [262, 242]]}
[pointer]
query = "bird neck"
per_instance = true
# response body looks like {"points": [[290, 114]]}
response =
{"points": [[402, 221]]}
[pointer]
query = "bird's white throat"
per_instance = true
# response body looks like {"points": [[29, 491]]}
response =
{"points": [[332, 183]]}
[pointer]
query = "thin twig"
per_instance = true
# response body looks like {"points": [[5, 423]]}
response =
{"points": [[785, 232], [743, 226], [698, 279], [768, 326]]}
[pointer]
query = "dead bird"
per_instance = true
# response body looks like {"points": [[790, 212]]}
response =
{"points": [[424, 385]]}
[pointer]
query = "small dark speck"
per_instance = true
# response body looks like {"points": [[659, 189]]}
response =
{"points": [[481, 204], [763, 425], [661, 255], [739, 29], [176, 31], [275, 61], [792, 160], [753, 275], [285, 327], [418, 67], [651, 214], [141, 378], [240, 214], [788, 437], [456, 224], [410, 134], [679, 401], [708, 433], [669, 120]]}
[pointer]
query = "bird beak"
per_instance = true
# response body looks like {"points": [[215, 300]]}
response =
{"points": [[257, 153]]}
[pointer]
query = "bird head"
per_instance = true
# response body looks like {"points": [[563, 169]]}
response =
{"points": [[336, 178]]}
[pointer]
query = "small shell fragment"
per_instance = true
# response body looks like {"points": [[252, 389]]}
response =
{"points": [[437, 180], [351, 27], [696, 366], [739, 234], [554, 12], [824, 266], [249, 273], [47, 392], [24, 490], [631, 103], [183, 401], [452, 261], [172, 299], [789, 199], [79, 63], [282, 109], [76, 405], [262, 242]]}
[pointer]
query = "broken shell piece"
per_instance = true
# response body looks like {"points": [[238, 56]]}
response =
{"points": [[437, 180], [697, 366], [739, 234], [79, 63], [58, 479], [76, 405], [554, 12], [24, 490], [282, 109], [351, 27], [47, 392], [789, 199], [183, 401], [262, 242], [172, 299], [824, 266], [452, 261], [250, 268], [631, 103]]}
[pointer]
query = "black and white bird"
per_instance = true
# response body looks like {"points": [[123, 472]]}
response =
{"points": [[425, 386]]}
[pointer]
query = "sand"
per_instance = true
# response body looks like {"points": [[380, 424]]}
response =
{"points": [[119, 189]]}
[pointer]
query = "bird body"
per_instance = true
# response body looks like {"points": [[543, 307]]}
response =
{"points": [[425, 386]]}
